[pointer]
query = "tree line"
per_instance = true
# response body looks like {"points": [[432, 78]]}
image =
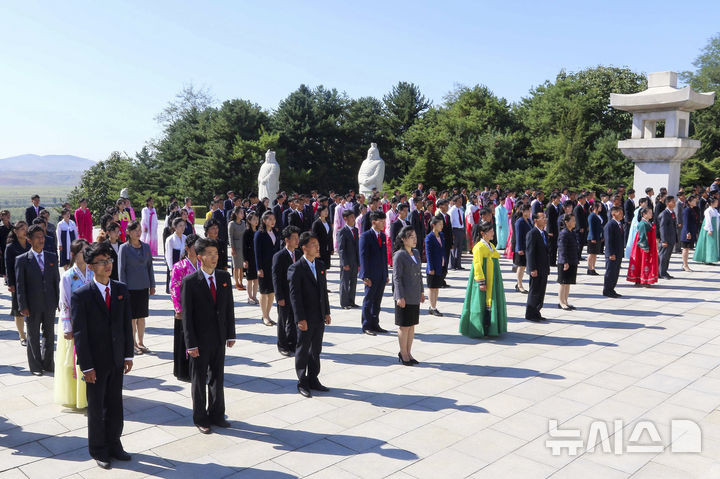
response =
{"points": [[563, 133]]}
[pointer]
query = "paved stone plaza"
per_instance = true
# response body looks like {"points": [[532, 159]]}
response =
{"points": [[472, 408]]}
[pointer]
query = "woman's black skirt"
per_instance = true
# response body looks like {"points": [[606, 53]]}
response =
{"points": [[407, 316], [139, 303]]}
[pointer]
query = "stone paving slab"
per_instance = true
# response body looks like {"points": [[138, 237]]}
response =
{"points": [[472, 408]]}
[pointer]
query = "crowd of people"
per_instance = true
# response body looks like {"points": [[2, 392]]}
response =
{"points": [[282, 249]]}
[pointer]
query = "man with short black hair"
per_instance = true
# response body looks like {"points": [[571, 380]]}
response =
{"points": [[37, 283], [348, 253], [33, 211], [286, 330], [536, 253], [209, 325], [667, 228], [374, 272], [102, 329], [309, 299]]}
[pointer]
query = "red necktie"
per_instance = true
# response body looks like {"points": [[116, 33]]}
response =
{"points": [[213, 291], [107, 297], [460, 217], [355, 233], [380, 240]]}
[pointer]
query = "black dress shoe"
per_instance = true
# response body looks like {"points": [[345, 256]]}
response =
{"points": [[222, 423], [103, 463], [592, 272], [121, 455], [369, 332], [304, 391], [565, 308], [203, 429], [319, 387], [414, 361], [535, 320], [667, 276], [284, 352], [403, 362], [37, 373], [380, 330], [616, 295], [347, 307]]}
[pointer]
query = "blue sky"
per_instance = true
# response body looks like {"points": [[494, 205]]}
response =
{"points": [[86, 78]]}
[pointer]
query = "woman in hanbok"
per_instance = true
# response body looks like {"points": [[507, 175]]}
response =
{"points": [[502, 222], [643, 265], [633, 227], [67, 232], [123, 217], [338, 221], [187, 265], [69, 388], [391, 215], [149, 223], [484, 311], [707, 249], [174, 247], [190, 211]]}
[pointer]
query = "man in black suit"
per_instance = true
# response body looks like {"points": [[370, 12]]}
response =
{"points": [[296, 217], [219, 216], [50, 241], [286, 330], [552, 212], [667, 222], [209, 324], [401, 221], [614, 251], [229, 204], [536, 252], [417, 221], [581, 223], [309, 213], [629, 212], [348, 251], [33, 211], [309, 298], [37, 283], [102, 329], [357, 204], [443, 206], [649, 193], [374, 272], [278, 210]]}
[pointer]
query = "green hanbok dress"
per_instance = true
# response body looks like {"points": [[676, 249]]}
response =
{"points": [[707, 249], [484, 312]]}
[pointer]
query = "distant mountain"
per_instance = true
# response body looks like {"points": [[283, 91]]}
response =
{"points": [[45, 163]]}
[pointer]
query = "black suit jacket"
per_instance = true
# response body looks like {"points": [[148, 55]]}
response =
{"points": [[667, 227], [417, 220], [309, 217], [629, 208], [366, 222], [30, 214], [395, 230], [308, 295], [37, 291], [447, 230], [581, 218], [114, 256], [551, 213], [280, 264], [103, 339], [614, 240], [207, 324], [294, 219], [325, 238], [278, 212], [348, 248], [536, 252]]}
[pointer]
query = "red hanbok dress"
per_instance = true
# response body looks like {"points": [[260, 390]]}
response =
{"points": [[643, 267]]}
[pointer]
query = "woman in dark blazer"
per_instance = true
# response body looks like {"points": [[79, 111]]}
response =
{"points": [[17, 244], [323, 230], [266, 243], [248, 240], [435, 254], [690, 227], [567, 261], [594, 237], [520, 230], [408, 292]]}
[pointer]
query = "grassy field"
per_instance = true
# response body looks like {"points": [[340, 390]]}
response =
{"points": [[17, 198]]}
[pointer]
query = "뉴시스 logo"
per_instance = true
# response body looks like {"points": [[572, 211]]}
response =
{"points": [[684, 436]]}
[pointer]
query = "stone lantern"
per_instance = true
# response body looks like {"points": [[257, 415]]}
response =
{"points": [[658, 159]]}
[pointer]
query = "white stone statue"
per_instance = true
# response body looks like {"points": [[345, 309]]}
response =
{"points": [[372, 171], [269, 178], [125, 193]]}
